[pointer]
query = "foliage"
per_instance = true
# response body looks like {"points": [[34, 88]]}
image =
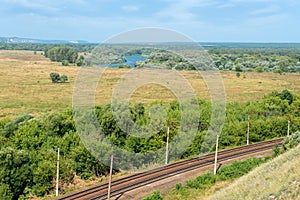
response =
{"points": [[238, 168], [10, 127], [63, 78], [62, 54], [37, 139], [207, 180], [33, 148], [273, 58], [202, 182], [155, 196], [291, 141], [80, 61], [276, 151], [56, 78], [65, 63], [15, 172]]}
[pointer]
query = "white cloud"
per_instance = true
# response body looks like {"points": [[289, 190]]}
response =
{"points": [[36, 5], [130, 8], [273, 19], [181, 10], [266, 10]]}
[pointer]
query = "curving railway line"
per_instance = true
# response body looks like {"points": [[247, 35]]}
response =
{"points": [[128, 183]]}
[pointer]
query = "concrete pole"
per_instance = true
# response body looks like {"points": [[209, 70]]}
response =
{"points": [[110, 176], [167, 145], [216, 155], [248, 130], [57, 173], [289, 124]]}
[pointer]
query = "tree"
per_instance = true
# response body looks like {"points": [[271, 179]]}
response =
{"points": [[65, 63], [238, 68], [10, 127], [259, 69], [63, 78], [61, 53], [55, 77], [15, 172], [80, 60], [286, 95]]}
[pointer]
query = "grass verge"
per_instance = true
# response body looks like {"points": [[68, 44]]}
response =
{"points": [[277, 179]]}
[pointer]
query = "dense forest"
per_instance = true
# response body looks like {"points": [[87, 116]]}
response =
{"points": [[29, 145]]}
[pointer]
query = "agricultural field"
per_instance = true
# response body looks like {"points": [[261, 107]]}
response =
{"points": [[26, 87]]}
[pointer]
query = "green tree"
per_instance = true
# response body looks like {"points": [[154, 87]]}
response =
{"points": [[63, 78], [61, 53], [65, 63], [55, 77], [15, 172], [10, 127], [259, 69], [80, 60]]}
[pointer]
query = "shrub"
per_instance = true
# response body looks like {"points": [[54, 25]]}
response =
{"points": [[276, 151], [63, 78], [55, 77], [202, 182], [65, 63], [259, 69], [155, 196], [291, 141]]}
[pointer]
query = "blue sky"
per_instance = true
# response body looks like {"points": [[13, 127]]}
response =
{"points": [[202, 20]]}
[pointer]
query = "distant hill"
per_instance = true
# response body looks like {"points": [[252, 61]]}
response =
{"points": [[17, 40]]}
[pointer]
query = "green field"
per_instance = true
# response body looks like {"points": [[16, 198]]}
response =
{"points": [[26, 86]]}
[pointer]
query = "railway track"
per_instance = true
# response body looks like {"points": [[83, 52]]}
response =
{"points": [[125, 184]]}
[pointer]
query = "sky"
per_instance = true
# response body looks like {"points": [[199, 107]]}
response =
{"points": [[201, 20]]}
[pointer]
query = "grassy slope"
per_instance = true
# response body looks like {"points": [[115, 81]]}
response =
{"points": [[277, 179], [26, 87]]}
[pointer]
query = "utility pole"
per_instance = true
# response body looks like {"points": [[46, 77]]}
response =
{"points": [[167, 145], [110, 176], [57, 172], [289, 124], [248, 130], [216, 155]]}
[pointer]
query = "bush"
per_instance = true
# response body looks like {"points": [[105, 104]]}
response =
{"points": [[55, 77], [202, 182], [278, 71], [291, 141], [63, 78], [155, 196], [276, 151], [65, 63], [259, 69], [238, 169], [79, 62], [61, 53]]}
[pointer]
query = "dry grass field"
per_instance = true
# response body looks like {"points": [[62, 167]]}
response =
{"points": [[277, 179], [26, 86]]}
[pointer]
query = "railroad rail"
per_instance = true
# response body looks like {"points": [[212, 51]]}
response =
{"points": [[128, 183]]}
